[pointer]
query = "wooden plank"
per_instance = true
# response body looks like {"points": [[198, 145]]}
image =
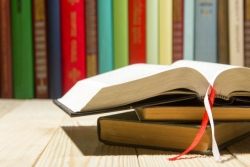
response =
{"points": [[26, 130], [76, 144], [7, 105], [241, 151], [149, 157]]}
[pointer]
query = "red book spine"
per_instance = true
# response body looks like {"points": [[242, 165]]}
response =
{"points": [[73, 42], [6, 90], [137, 31], [178, 27]]}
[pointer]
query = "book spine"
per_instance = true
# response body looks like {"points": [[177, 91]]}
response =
{"points": [[236, 41], [137, 31], [91, 37], [206, 31], [40, 49], [222, 32], [120, 30], [54, 48], [165, 31], [5, 51], [189, 19], [22, 49], [152, 31], [105, 36], [247, 33], [73, 43], [178, 30]]}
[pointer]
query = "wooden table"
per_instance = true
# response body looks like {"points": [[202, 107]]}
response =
{"points": [[38, 133]]}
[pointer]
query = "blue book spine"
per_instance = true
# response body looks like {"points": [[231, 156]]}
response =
{"points": [[189, 11], [205, 30], [105, 36], [54, 48]]}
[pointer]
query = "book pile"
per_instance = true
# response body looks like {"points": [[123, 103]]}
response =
{"points": [[167, 103]]}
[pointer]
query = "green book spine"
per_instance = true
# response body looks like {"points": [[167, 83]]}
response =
{"points": [[22, 49], [120, 29]]}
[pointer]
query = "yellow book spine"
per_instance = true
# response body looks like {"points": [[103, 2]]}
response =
{"points": [[165, 31]]}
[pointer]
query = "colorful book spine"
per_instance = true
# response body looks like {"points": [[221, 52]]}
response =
{"points": [[105, 36], [222, 32], [152, 31], [165, 31], [73, 43], [22, 49], [91, 37], [189, 20], [236, 40], [40, 49], [178, 24], [120, 30], [54, 48], [137, 31], [247, 33], [206, 30], [5, 51]]}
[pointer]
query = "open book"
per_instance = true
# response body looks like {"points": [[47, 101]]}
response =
{"points": [[144, 84]]}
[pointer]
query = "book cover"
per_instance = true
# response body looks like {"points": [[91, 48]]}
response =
{"points": [[178, 26], [137, 31], [105, 36], [236, 40], [189, 20], [165, 31], [40, 49], [247, 33], [206, 30], [126, 130], [152, 38], [91, 37], [73, 42], [120, 32], [6, 90], [54, 48], [222, 32], [22, 49]]}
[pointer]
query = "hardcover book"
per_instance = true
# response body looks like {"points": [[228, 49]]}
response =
{"points": [[137, 31], [126, 130], [247, 33], [145, 84], [22, 49], [40, 49], [6, 90]]}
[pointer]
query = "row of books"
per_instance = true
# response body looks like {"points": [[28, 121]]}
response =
{"points": [[48, 45]]}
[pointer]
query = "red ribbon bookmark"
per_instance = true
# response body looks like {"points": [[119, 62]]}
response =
{"points": [[202, 127]]}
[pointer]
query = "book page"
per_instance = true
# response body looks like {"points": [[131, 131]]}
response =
{"points": [[209, 70]]}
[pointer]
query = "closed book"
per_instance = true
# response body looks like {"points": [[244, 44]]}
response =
{"points": [[165, 31], [126, 130], [152, 38], [247, 33], [236, 40], [73, 43], [22, 49], [206, 30], [91, 37], [40, 49], [137, 31], [120, 30], [6, 90], [178, 26], [54, 48], [222, 32], [189, 20], [105, 36]]}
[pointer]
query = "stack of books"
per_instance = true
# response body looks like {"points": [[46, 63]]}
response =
{"points": [[167, 104]]}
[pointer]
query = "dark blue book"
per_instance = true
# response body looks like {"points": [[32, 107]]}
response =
{"points": [[54, 48], [205, 48]]}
